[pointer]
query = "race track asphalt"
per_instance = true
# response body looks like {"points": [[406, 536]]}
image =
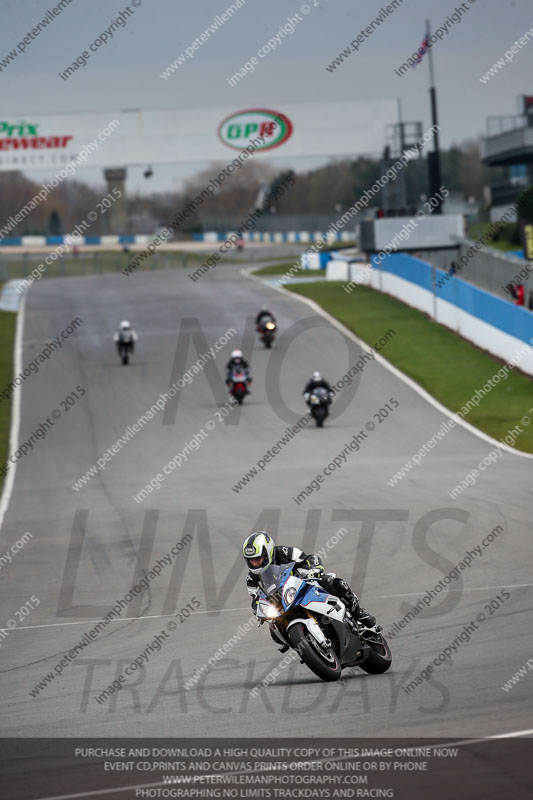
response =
{"points": [[90, 546]]}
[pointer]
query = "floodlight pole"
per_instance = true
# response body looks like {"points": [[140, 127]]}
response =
{"points": [[434, 171]]}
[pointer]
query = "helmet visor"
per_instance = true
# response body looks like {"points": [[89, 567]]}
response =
{"points": [[257, 561]]}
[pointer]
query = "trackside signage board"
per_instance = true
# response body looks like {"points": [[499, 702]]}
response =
{"points": [[262, 128], [194, 135]]}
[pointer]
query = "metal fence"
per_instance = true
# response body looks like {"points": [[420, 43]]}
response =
{"points": [[20, 265], [302, 221], [487, 268]]}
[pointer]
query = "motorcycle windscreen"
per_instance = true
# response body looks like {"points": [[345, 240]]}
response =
{"points": [[272, 578]]}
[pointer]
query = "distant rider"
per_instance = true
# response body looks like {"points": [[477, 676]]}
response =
{"points": [[262, 314], [237, 361], [260, 551], [313, 383], [125, 335]]}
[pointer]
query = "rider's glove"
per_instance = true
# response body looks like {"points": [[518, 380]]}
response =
{"points": [[313, 566], [311, 574], [316, 572]]}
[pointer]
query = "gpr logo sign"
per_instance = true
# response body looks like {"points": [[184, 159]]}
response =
{"points": [[243, 128], [22, 136]]}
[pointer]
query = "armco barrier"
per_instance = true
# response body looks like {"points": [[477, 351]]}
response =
{"points": [[488, 321], [41, 241], [207, 236]]}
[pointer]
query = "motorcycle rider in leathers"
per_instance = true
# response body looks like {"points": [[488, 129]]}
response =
{"points": [[125, 333], [264, 312], [260, 551], [313, 383], [237, 361]]}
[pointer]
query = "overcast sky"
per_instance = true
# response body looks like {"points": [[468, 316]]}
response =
{"points": [[126, 72]]}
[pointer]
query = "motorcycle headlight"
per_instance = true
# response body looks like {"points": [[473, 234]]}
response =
{"points": [[270, 326], [314, 399], [270, 611], [290, 594]]}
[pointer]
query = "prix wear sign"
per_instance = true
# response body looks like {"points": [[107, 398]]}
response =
{"points": [[238, 130], [20, 141], [23, 135]]}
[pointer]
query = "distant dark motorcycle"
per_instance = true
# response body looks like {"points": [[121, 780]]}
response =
{"points": [[267, 331], [319, 402], [238, 385], [125, 347]]}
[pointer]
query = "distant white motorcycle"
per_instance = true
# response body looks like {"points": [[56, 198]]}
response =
{"points": [[125, 339]]}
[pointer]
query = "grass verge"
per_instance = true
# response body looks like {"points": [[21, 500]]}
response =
{"points": [[295, 272], [502, 243], [447, 366]]}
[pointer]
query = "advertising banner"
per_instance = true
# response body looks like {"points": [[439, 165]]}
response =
{"points": [[136, 137]]}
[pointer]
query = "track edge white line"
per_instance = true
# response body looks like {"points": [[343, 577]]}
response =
{"points": [[15, 412]]}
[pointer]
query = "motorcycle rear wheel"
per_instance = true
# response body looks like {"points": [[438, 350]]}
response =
{"points": [[378, 660], [326, 669]]}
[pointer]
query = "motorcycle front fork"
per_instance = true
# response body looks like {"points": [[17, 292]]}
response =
{"points": [[276, 637]]}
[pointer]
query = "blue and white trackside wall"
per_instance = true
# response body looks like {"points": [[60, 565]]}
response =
{"points": [[208, 236], [41, 241], [276, 236], [488, 321], [314, 260]]}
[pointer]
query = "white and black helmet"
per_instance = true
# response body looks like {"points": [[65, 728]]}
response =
{"points": [[236, 353], [317, 376], [125, 325], [258, 551]]}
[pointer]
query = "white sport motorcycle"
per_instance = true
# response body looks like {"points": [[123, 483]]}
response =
{"points": [[304, 617]]}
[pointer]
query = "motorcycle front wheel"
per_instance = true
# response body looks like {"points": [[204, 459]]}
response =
{"points": [[327, 667], [319, 416]]}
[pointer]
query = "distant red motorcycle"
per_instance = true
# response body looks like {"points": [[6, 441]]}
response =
{"points": [[238, 385]]}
